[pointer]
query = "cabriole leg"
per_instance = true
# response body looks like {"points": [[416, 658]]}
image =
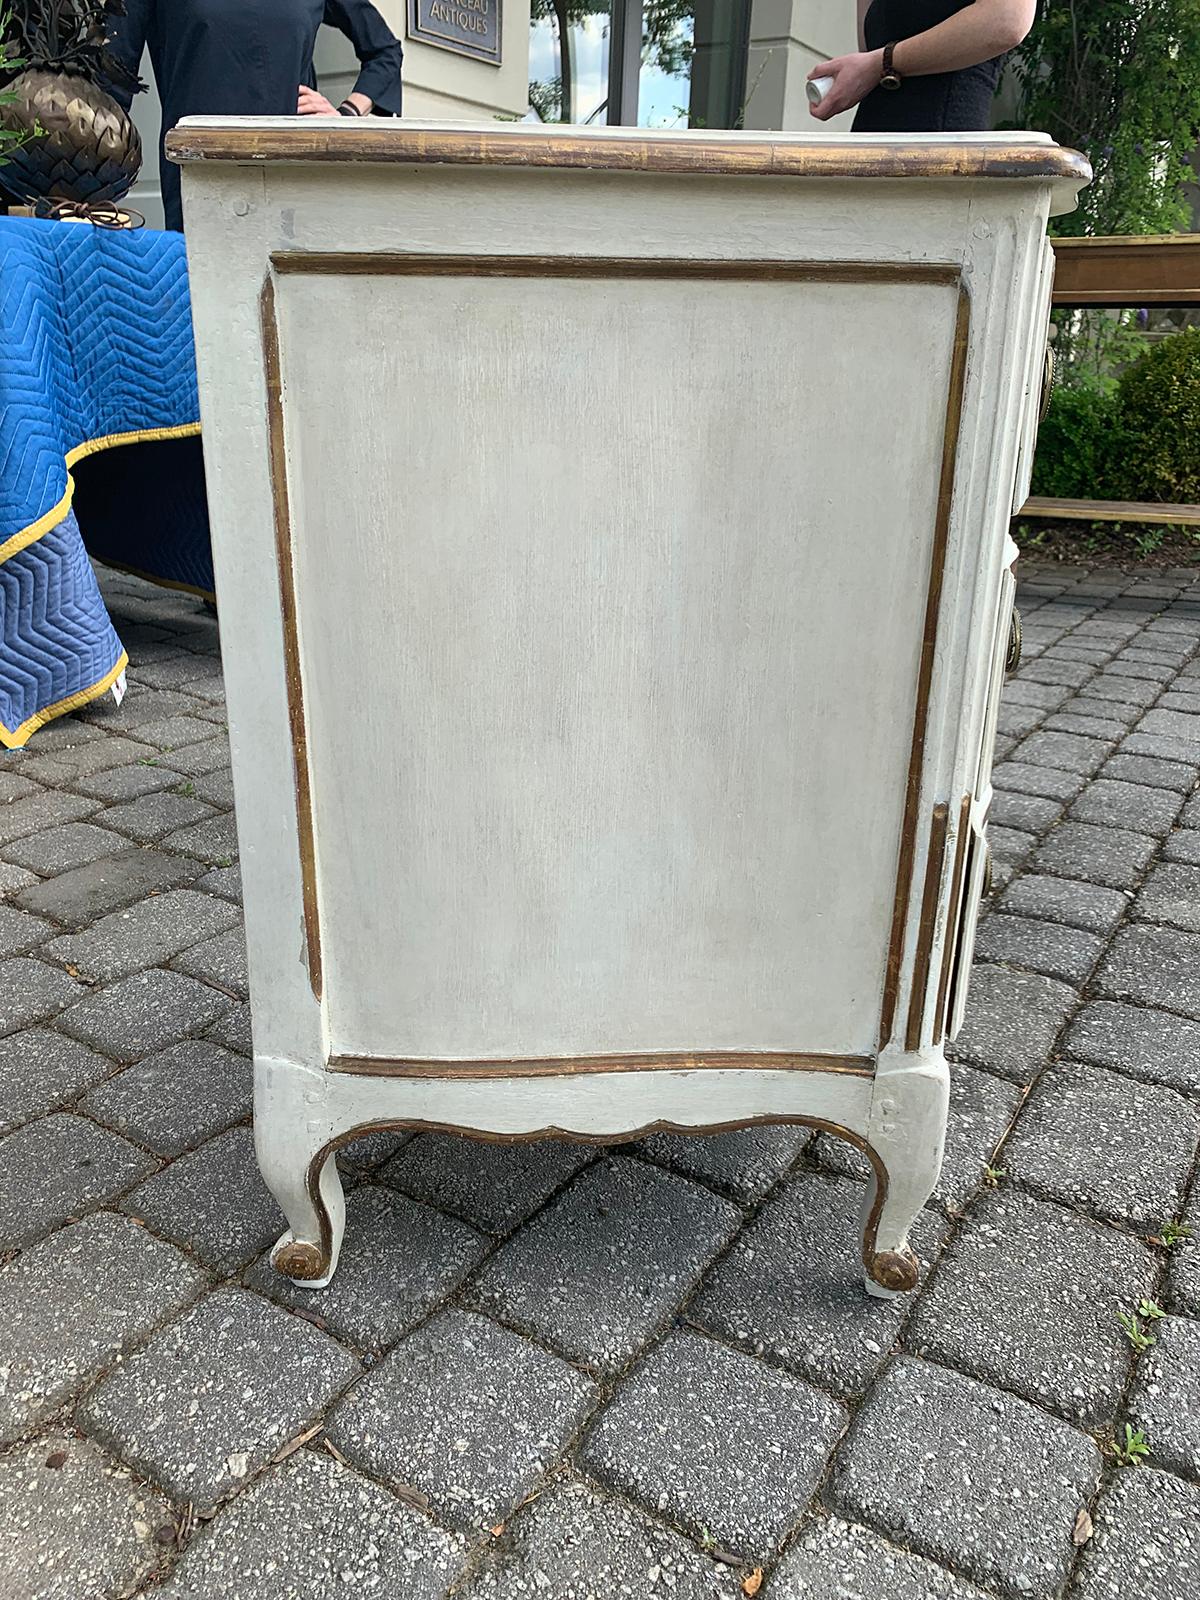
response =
{"points": [[289, 1141], [907, 1133]]}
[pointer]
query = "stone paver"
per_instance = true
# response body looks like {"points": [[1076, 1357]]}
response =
{"points": [[744, 1163], [142, 1013], [792, 1287], [151, 816], [72, 1303], [1023, 777], [1047, 947], [39, 1069], [467, 1413], [1153, 967], [1151, 771], [1184, 847], [213, 1395], [600, 1270], [1138, 807], [213, 1201], [78, 897], [1095, 1139], [220, 961], [1013, 1019], [492, 1186], [41, 810], [1027, 1296], [74, 1525], [171, 1101], [574, 1543], [399, 1259], [1078, 905], [836, 1560], [145, 934], [1147, 1044], [58, 1167], [666, 1441], [1171, 894], [310, 1529], [124, 1042], [31, 991], [20, 932], [982, 1481], [1146, 1541], [74, 844], [1165, 1400], [1111, 856]]}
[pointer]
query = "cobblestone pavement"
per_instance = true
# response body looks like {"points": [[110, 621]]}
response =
{"points": [[554, 1372]]}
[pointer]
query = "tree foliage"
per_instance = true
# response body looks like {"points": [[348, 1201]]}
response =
{"points": [[9, 65], [1120, 81]]}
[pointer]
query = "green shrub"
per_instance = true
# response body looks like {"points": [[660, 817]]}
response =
{"points": [[1158, 399], [1076, 445]]}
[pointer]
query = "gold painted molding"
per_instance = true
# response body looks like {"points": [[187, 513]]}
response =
{"points": [[566, 1066], [933, 603], [413, 264], [305, 1259], [397, 143]]}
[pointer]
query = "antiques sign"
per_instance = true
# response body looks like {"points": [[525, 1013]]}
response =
{"points": [[472, 27]]}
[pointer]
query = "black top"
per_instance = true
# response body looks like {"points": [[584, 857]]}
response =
{"points": [[247, 58], [937, 102]]}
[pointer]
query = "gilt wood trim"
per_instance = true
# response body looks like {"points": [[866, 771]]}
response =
{"points": [[937, 565], [414, 264], [369, 140], [935, 862], [952, 917], [291, 641], [401, 263], [302, 1260], [560, 1066]]}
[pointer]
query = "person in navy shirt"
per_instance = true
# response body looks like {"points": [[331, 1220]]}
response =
{"points": [[248, 58]]}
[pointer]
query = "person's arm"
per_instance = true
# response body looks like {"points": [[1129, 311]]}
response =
{"points": [[129, 34], [978, 32], [377, 87], [863, 7]]}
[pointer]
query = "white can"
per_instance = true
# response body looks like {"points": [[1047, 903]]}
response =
{"points": [[817, 89]]}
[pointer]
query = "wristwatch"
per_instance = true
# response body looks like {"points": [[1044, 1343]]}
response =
{"points": [[890, 78]]}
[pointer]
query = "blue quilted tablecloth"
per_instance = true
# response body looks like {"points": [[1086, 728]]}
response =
{"points": [[97, 367]]}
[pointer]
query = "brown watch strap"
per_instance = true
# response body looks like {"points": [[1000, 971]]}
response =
{"points": [[889, 77]]}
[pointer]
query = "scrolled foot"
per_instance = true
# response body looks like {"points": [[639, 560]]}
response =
{"points": [[895, 1270], [299, 1260]]}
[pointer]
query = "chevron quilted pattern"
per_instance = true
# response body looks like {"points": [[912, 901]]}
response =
{"points": [[95, 352], [58, 648], [97, 344]]}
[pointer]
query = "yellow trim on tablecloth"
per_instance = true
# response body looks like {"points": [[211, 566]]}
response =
{"points": [[72, 702], [89, 447]]}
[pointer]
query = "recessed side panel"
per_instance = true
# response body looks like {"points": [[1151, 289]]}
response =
{"points": [[610, 592]]}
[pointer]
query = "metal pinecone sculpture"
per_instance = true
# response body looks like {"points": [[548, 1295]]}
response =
{"points": [[80, 144]]}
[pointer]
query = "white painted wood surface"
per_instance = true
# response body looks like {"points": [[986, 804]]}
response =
{"points": [[610, 586]]}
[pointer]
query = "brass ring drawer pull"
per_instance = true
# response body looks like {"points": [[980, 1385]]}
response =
{"points": [[985, 887], [1049, 377], [1013, 659]]}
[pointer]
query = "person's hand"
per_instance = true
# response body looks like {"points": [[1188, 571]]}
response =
{"points": [[853, 78], [313, 104]]}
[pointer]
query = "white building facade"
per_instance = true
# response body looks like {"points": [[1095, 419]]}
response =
{"points": [[641, 63]]}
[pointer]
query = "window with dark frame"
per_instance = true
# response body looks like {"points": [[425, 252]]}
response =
{"points": [[639, 63]]}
